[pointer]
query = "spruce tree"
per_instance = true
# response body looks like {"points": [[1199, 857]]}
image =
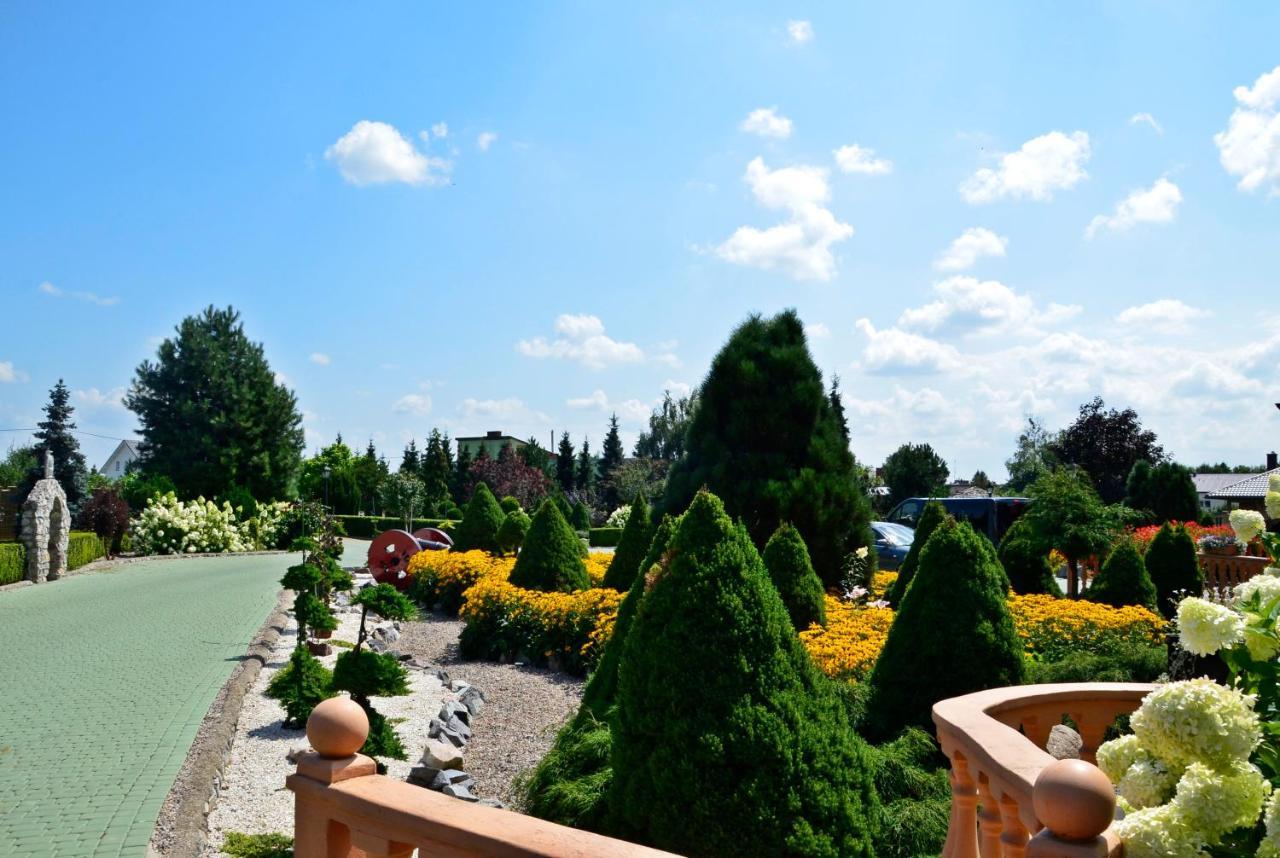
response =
{"points": [[766, 439], [551, 558], [1174, 568], [212, 414], [580, 517], [564, 464], [480, 522], [1123, 580], [632, 546], [717, 697], [435, 469], [513, 531], [611, 459], [409, 462], [787, 561], [585, 476], [55, 436], [1026, 562], [461, 474], [933, 515], [953, 634]]}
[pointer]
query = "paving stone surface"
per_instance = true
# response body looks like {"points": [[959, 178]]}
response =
{"points": [[104, 679]]}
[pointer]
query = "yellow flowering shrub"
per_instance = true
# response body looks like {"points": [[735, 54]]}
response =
{"points": [[850, 644], [880, 584], [442, 577]]}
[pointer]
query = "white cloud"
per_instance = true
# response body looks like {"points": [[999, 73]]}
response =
{"points": [[320, 358], [891, 351], [440, 130], [511, 409], [1156, 204], [1167, 314], [800, 32], [485, 139], [93, 399], [800, 246], [582, 339], [857, 159], [677, 388], [1051, 162], [8, 374], [1250, 145], [88, 297], [416, 404], [597, 400], [817, 331], [374, 153], [629, 410], [1146, 119], [766, 122], [973, 244], [967, 305]]}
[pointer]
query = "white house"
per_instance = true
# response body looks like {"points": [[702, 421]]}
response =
{"points": [[118, 462]]}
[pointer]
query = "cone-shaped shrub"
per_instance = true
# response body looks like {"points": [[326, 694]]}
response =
{"points": [[300, 686], [480, 522], [1174, 568], [509, 504], [551, 558], [1123, 580], [952, 635], [1026, 562], [631, 549], [930, 518], [581, 518], [728, 741], [787, 561], [512, 533]]}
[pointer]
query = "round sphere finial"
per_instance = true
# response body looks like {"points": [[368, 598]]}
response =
{"points": [[1074, 799], [337, 728]]}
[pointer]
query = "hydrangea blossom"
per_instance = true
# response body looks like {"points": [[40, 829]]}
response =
{"points": [[1115, 757], [1197, 721], [1247, 524], [171, 526], [618, 518], [1267, 587], [1158, 832], [1147, 783], [1206, 627], [1215, 802], [1270, 847]]}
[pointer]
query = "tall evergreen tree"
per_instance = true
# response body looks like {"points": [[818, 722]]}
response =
{"points": [[436, 471], [564, 464], [461, 475], [1163, 492], [409, 463], [585, 474], [837, 407], [765, 438], [54, 436], [611, 455], [212, 415], [535, 456]]}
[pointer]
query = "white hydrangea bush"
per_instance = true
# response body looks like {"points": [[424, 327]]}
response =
{"points": [[171, 526], [618, 518]]}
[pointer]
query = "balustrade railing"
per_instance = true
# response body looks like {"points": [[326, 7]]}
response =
{"points": [[1224, 571]]}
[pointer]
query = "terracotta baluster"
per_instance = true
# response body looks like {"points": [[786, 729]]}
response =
{"points": [[1014, 839], [988, 820], [336, 729], [1092, 723], [962, 830], [1076, 803]]}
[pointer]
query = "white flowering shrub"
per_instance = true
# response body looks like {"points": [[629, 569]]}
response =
{"points": [[618, 518], [171, 526]]}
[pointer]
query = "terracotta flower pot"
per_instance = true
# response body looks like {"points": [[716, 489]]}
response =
{"points": [[1224, 550], [324, 634]]}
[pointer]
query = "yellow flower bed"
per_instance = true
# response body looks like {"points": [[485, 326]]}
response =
{"points": [[442, 577], [880, 584], [598, 564], [850, 644]]}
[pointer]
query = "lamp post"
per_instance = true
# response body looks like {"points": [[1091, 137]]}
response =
{"points": [[327, 471]]}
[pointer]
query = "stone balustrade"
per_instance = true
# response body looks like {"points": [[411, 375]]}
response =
{"points": [[1009, 797], [1224, 571], [344, 809]]}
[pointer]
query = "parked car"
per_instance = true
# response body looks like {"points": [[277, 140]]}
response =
{"points": [[893, 541], [990, 516]]}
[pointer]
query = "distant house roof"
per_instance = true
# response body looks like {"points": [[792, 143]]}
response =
{"points": [[1249, 487], [127, 450], [969, 491], [1207, 484]]}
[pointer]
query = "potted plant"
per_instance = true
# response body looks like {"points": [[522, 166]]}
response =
{"points": [[1221, 545]]}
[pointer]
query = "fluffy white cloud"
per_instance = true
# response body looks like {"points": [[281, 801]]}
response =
{"points": [[1250, 145], [485, 139], [88, 297], [767, 122], [1156, 204], [510, 409], [597, 400], [677, 388], [817, 331], [892, 351], [1146, 119], [416, 404], [973, 244], [320, 358], [582, 339], [1051, 162], [374, 153], [967, 305], [857, 159], [8, 374], [1168, 315], [93, 399], [628, 410], [800, 31], [801, 246]]}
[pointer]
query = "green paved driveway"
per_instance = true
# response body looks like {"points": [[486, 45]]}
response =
{"points": [[104, 679]]}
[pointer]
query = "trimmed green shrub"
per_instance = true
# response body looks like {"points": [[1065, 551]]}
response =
{"points": [[83, 548], [300, 686], [604, 537], [1131, 662], [787, 561], [509, 504], [580, 517], [1026, 563], [953, 634], [1173, 566], [911, 779], [369, 526], [930, 517], [273, 845], [717, 698], [570, 785], [480, 522], [512, 533], [631, 547], [13, 562], [551, 558], [1123, 580]]}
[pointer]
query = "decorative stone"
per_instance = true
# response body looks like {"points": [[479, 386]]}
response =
{"points": [[473, 699], [443, 676], [390, 634], [457, 725], [438, 730], [297, 751], [493, 802], [46, 527], [441, 755], [459, 686], [452, 777], [422, 776], [1074, 799], [455, 709], [459, 792], [337, 727], [1064, 743]]}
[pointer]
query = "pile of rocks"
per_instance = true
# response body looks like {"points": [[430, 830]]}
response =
{"points": [[441, 766]]}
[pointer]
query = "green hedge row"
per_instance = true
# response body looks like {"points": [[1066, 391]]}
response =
{"points": [[369, 526], [83, 547], [605, 537], [13, 562]]}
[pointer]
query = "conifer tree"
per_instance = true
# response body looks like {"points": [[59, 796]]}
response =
{"points": [[786, 559], [551, 557], [436, 469], [932, 516], [1026, 562], [1123, 580], [55, 436], [480, 522], [513, 531], [1174, 568], [632, 546], [580, 517], [612, 454], [461, 474], [564, 464], [585, 476]]}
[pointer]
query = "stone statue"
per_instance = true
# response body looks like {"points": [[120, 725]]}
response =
{"points": [[48, 464], [46, 527]]}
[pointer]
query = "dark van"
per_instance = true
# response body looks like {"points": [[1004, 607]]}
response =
{"points": [[991, 516]]}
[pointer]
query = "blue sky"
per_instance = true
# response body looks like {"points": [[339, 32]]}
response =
{"points": [[523, 217]]}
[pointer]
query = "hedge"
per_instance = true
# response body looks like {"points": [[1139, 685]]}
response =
{"points": [[604, 537], [13, 562], [369, 526], [83, 547]]}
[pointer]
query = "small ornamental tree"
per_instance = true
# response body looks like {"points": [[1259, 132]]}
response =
{"points": [[1123, 580], [107, 515], [932, 516], [1068, 515], [480, 522], [1026, 562], [786, 559], [300, 686], [953, 634], [1173, 566], [581, 518], [513, 530], [632, 546], [717, 697], [551, 558], [509, 504]]}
